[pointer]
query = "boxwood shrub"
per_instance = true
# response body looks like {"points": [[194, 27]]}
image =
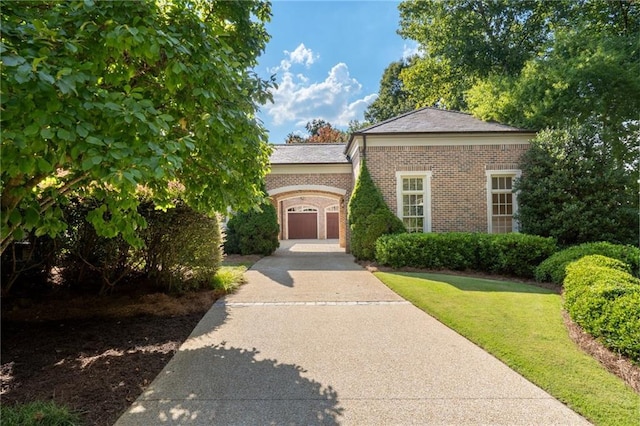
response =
{"points": [[509, 254], [553, 268], [604, 299]]}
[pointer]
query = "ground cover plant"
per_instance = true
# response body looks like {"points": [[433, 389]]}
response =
{"points": [[507, 254], [522, 325]]}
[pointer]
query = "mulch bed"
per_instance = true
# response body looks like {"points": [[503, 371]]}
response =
{"points": [[97, 366]]}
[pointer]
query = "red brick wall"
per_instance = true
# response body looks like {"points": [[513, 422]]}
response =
{"points": [[458, 180]]}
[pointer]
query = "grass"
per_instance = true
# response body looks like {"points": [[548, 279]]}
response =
{"points": [[229, 277], [522, 325], [38, 413]]}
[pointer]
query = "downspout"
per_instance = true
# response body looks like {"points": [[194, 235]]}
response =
{"points": [[364, 147]]}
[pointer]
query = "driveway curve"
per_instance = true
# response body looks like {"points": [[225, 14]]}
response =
{"points": [[313, 338]]}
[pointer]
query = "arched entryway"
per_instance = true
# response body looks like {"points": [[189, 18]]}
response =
{"points": [[311, 212]]}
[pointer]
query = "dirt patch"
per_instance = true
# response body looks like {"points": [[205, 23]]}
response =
{"points": [[95, 355]]}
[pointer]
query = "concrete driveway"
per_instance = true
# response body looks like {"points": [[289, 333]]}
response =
{"points": [[314, 339]]}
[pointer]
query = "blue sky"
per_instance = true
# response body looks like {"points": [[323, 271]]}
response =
{"points": [[328, 58]]}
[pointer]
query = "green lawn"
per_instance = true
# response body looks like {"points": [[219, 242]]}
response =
{"points": [[522, 325]]}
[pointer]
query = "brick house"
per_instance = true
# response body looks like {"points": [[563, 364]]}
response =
{"points": [[439, 170]]}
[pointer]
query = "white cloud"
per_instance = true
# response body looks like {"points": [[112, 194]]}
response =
{"points": [[301, 55], [336, 99]]}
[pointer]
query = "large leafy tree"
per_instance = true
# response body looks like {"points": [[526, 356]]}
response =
{"points": [[574, 189], [466, 40], [393, 99], [99, 98]]}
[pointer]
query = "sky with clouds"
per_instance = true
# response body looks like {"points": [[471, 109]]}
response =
{"points": [[328, 58]]}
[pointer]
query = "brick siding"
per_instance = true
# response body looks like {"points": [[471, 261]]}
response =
{"points": [[458, 180]]}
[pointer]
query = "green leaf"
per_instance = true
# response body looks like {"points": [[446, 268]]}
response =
{"points": [[31, 217], [82, 130], [15, 217], [66, 135], [44, 165], [18, 234], [94, 141], [47, 133], [12, 60], [47, 78], [31, 130]]}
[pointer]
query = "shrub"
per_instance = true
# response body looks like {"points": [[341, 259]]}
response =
{"points": [[604, 300], [369, 217], [520, 254], [182, 247], [553, 268], [253, 232], [511, 254]]}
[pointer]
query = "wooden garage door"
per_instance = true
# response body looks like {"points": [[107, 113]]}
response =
{"points": [[333, 225], [303, 225]]}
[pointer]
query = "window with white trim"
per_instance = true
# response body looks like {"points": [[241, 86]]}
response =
{"points": [[501, 201], [414, 204], [302, 209]]}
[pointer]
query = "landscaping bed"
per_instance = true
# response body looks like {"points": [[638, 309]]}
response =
{"points": [[97, 366]]}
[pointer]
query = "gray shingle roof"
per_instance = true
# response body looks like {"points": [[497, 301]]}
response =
{"points": [[433, 120], [308, 153]]}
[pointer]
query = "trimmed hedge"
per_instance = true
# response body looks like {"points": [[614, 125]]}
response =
{"points": [[553, 269], [508, 254], [604, 299]]}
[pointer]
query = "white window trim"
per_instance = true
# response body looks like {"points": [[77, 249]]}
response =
{"points": [[426, 175], [513, 173]]}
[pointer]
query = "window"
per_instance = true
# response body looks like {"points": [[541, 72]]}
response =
{"points": [[501, 201], [414, 204], [302, 209]]}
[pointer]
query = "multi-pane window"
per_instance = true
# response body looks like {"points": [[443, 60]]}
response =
{"points": [[502, 203], [413, 203]]}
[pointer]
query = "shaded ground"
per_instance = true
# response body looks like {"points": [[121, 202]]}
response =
{"points": [[98, 365]]}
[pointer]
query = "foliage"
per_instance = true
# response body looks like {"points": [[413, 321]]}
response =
{"points": [[605, 301], [553, 269], [253, 232], [573, 189], [392, 98], [38, 413], [319, 131], [510, 254], [228, 278], [464, 41], [369, 216], [182, 247], [100, 97], [522, 325]]}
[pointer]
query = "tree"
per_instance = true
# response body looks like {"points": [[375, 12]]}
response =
{"points": [[369, 216], [392, 99], [319, 131], [465, 40], [574, 189], [99, 98]]}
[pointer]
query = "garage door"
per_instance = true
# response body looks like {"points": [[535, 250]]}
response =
{"points": [[333, 226], [303, 225]]}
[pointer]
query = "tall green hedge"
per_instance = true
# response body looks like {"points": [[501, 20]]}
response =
{"points": [[509, 254], [253, 232], [369, 216]]}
